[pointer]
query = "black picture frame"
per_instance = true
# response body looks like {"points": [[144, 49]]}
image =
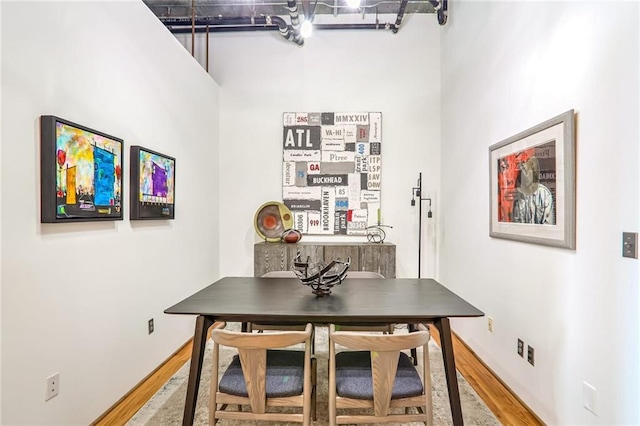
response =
{"points": [[80, 173], [152, 180]]}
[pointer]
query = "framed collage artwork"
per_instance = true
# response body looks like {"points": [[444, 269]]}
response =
{"points": [[331, 170]]}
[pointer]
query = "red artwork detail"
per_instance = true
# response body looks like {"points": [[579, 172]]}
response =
{"points": [[508, 169], [269, 222], [62, 157]]}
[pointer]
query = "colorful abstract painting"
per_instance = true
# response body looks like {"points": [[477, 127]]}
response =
{"points": [[89, 173], [156, 178], [153, 184], [331, 171]]}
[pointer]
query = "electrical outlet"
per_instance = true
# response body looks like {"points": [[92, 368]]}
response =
{"points": [[530, 355], [630, 244], [151, 326], [521, 348], [490, 324], [53, 386]]}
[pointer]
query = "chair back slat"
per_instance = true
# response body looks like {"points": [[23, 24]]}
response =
{"points": [[254, 370], [395, 342], [275, 340], [383, 371]]}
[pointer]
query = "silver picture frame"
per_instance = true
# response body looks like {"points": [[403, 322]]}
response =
{"points": [[533, 184]]}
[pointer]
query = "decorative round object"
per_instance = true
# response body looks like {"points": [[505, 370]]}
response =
{"points": [[271, 220], [291, 236], [375, 233], [321, 277]]}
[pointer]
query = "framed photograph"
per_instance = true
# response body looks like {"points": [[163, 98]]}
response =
{"points": [[81, 173], [532, 184], [153, 177]]}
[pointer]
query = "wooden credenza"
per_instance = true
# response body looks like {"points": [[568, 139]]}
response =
{"points": [[374, 257]]}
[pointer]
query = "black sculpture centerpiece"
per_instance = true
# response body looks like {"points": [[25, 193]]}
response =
{"points": [[320, 277]]}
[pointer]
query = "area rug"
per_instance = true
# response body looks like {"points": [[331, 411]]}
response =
{"points": [[167, 405]]}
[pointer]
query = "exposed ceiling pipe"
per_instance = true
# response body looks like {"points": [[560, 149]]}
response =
{"points": [[441, 7], [443, 13], [193, 27], [378, 26], [240, 28], [207, 49], [177, 25], [292, 7], [403, 6]]}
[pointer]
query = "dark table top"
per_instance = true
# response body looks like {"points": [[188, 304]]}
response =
{"points": [[405, 300]]}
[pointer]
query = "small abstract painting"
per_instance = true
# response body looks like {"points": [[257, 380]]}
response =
{"points": [[152, 184]]}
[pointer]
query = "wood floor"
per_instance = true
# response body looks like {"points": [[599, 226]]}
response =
{"points": [[505, 406], [501, 401]]}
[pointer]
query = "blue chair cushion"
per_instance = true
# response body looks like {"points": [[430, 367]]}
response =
{"points": [[285, 375], [353, 376]]}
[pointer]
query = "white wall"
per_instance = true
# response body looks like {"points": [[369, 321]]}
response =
{"points": [[262, 75], [76, 297], [507, 66], [0, 216]]}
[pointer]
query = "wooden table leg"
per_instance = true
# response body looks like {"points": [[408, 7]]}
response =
{"points": [[199, 340], [414, 351], [446, 344]]}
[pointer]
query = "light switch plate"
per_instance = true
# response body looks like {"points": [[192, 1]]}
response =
{"points": [[630, 244]]}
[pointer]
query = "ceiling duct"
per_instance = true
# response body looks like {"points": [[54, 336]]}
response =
{"points": [[249, 17], [260, 23], [223, 24], [292, 7]]}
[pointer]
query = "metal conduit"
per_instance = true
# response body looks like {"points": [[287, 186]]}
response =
{"points": [[403, 6], [240, 28], [222, 24], [199, 25], [289, 32], [292, 7]]}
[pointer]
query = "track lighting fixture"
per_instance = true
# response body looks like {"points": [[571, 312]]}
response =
{"points": [[306, 29]]}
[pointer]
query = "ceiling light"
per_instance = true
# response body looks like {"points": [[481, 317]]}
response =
{"points": [[306, 29], [353, 3]]}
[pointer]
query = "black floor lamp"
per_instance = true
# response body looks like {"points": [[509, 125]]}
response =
{"points": [[417, 192]]}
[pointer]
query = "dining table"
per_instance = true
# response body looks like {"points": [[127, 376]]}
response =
{"points": [[355, 300]]}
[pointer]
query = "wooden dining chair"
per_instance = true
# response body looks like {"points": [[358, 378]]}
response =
{"points": [[264, 376], [375, 374], [381, 327], [274, 325], [280, 326]]}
